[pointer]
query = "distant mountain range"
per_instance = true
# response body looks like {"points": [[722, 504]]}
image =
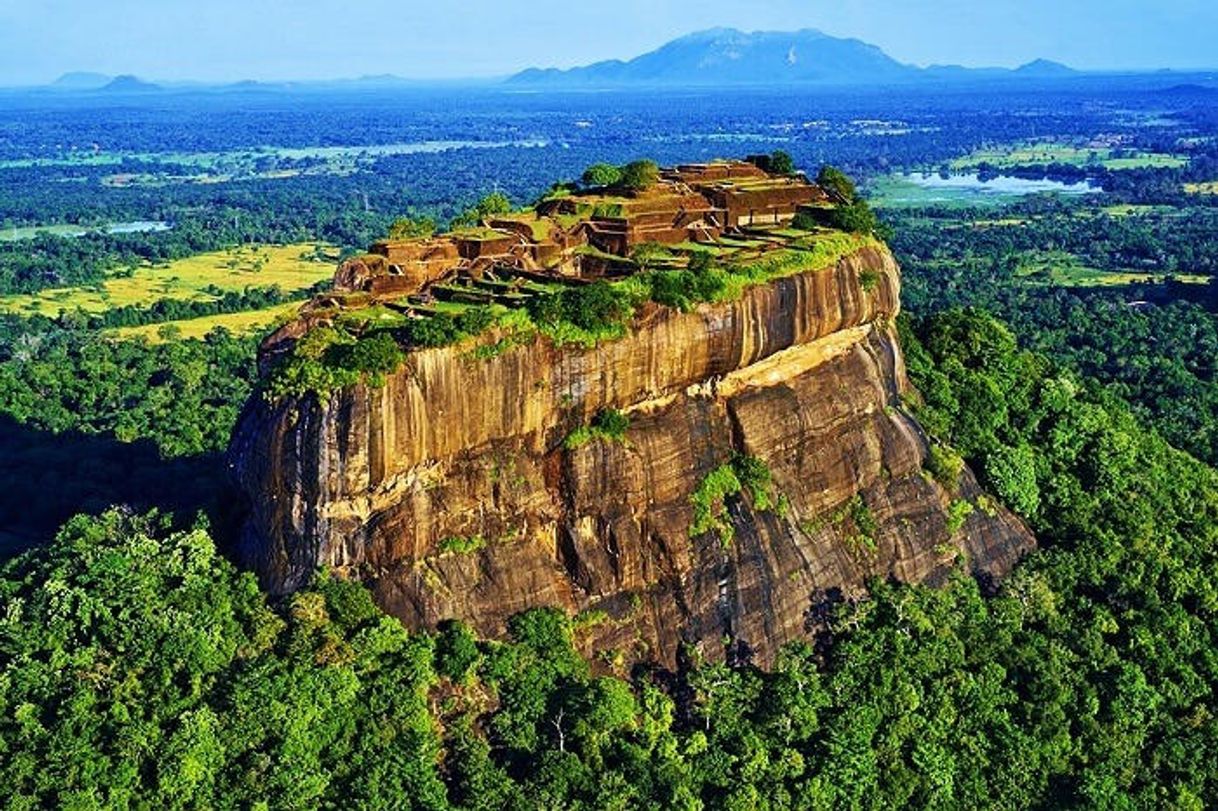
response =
{"points": [[89, 83], [719, 57], [726, 56], [128, 84]]}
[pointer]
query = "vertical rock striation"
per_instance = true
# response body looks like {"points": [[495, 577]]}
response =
{"points": [[450, 492]]}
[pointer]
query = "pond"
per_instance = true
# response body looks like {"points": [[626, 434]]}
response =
{"points": [[916, 188], [133, 227]]}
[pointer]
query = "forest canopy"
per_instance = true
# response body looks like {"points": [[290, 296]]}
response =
{"points": [[140, 668]]}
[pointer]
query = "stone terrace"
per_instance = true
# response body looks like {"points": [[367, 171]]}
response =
{"points": [[732, 208]]}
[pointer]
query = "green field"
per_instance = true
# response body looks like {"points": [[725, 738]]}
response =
{"points": [[1065, 269], [1132, 210], [291, 267], [1210, 187], [236, 323], [999, 222], [1010, 155]]}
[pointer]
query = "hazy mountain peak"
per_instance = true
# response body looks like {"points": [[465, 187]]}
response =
{"points": [[708, 34], [129, 84], [1045, 67], [81, 80], [729, 56]]}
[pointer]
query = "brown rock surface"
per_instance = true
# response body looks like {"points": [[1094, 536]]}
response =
{"points": [[804, 374]]}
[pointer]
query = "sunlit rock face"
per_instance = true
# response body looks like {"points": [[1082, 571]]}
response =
{"points": [[450, 491]]}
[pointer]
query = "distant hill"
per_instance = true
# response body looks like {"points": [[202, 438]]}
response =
{"points": [[383, 81], [726, 56], [82, 80], [129, 84], [1045, 69]]}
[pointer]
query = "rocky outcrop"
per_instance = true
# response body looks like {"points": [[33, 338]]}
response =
{"points": [[451, 493]]}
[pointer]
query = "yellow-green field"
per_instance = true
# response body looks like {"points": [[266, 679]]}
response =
{"points": [[291, 267], [1210, 187], [1000, 222], [1043, 154], [236, 323], [1056, 267], [1131, 209]]}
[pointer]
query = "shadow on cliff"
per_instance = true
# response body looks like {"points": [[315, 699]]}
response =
{"points": [[47, 478]]}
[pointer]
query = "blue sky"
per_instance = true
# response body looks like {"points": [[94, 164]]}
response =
{"points": [[282, 39]]}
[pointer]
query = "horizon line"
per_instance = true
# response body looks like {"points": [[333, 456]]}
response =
{"points": [[186, 84]]}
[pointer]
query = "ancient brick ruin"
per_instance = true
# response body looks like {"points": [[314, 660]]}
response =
{"points": [[734, 207], [581, 234]]}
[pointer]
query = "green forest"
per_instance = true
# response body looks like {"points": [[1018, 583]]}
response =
{"points": [[140, 669]]}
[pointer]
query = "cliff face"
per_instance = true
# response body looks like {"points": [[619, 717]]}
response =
{"points": [[450, 492]]}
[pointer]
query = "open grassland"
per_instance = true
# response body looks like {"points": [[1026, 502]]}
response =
{"points": [[236, 323], [1133, 210], [999, 222], [195, 278], [1210, 187], [1065, 269], [1007, 156], [540, 226]]}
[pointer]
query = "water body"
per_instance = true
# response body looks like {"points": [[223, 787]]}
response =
{"points": [[998, 185], [133, 227], [137, 227], [928, 189]]}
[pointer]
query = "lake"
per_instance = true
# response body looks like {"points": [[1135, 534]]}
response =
{"points": [[915, 188], [133, 227]]}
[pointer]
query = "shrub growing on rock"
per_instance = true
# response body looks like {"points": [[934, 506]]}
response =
{"points": [[601, 174], [639, 175]]}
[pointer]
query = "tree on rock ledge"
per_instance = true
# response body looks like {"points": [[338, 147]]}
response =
{"points": [[781, 163], [492, 204], [639, 175], [851, 213], [601, 174], [835, 182], [408, 228]]}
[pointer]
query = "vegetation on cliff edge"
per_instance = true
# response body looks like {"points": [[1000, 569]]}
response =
{"points": [[742, 473], [332, 357], [328, 358], [609, 424]]}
